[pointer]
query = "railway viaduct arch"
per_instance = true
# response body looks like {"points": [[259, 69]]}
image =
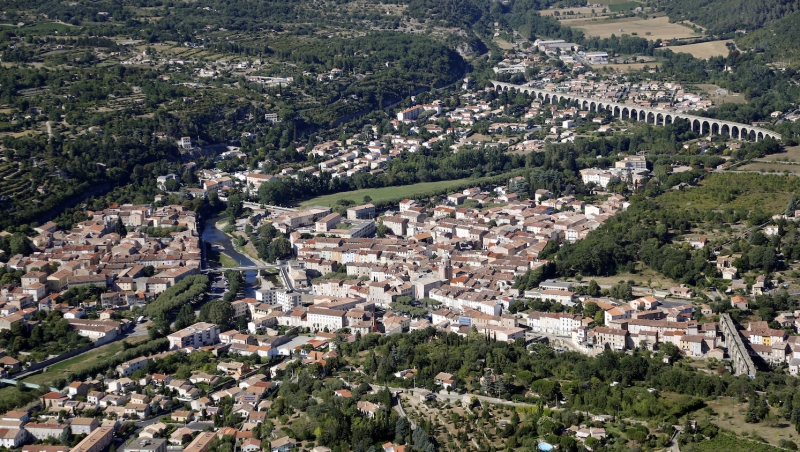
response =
{"points": [[654, 116]]}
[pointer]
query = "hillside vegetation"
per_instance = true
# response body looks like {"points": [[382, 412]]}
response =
{"points": [[727, 16], [777, 40]]}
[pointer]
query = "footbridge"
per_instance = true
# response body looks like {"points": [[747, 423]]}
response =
{"points": [[654, 116], [741, 362]]}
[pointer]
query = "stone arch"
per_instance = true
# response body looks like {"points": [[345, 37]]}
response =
{"points": [[593, 106], [617, 111], [725, 130], [696, 126], [625, 113], [735, 132], [760, 136], [651, 118], [705, 128], [584, 105], [715, 128], [668, 118], [743, 134], [660, 119]]}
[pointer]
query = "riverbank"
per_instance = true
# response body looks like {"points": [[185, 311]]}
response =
{"points": [[248, 249], [221, 258]]}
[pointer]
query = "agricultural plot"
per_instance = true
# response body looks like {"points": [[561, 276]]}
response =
{"points": [[658, 28], [704, 50]]}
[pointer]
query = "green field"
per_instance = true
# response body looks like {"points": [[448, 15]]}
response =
{"points": [[83, 361], [384, 193]]}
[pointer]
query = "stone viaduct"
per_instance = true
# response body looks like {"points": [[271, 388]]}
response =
{"points": [[741, 362], [651, 115]]}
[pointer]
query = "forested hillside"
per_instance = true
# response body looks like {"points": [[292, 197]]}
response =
{"points": [[777, 40], [727, 16]]}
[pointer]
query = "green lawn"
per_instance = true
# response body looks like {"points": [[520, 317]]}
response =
{"points": [[385, 193], [80, 362]]}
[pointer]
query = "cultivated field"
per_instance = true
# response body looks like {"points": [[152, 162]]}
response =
{"points": [[659, 28], [771, 168], [704, 50], [719, 98], [641, 279], [729, 414], [503, 44], [791, 154]]}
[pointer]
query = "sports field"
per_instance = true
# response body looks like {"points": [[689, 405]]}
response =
{"points": [[659, 28]]}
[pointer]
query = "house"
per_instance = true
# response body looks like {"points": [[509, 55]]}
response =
{"points": [[46, 430], [85, 425], [9, 364], [369, 409], [40, 448], [11, 438], [182, 416], [681, 292], [284, 444], [180, 436], [198, 335], [53, 399], [234, 369], [739, 302], [250, 445], [201, 442], [16, 416], [444, 380], [146, 445], [96, 441], [77, 389]]}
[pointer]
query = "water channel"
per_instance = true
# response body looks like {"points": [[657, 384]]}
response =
{"points": [[222, 243]]}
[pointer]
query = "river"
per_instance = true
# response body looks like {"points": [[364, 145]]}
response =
{"points": [[222, 242]]}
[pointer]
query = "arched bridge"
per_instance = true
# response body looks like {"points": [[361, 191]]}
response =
{"points": [[651, 115]]}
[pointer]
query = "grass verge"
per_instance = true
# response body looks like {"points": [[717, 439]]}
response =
{"points": [[83, 361]]}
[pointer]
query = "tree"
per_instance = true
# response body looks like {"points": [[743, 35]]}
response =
{"points": [[185, 317], [267, 232], [590, 309], [401, 430], [791, 206], [66, 436], [120, 228], [367, 199], [235, 207], [621, 290], [593, 290], [217, 312], [280, 248]]}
